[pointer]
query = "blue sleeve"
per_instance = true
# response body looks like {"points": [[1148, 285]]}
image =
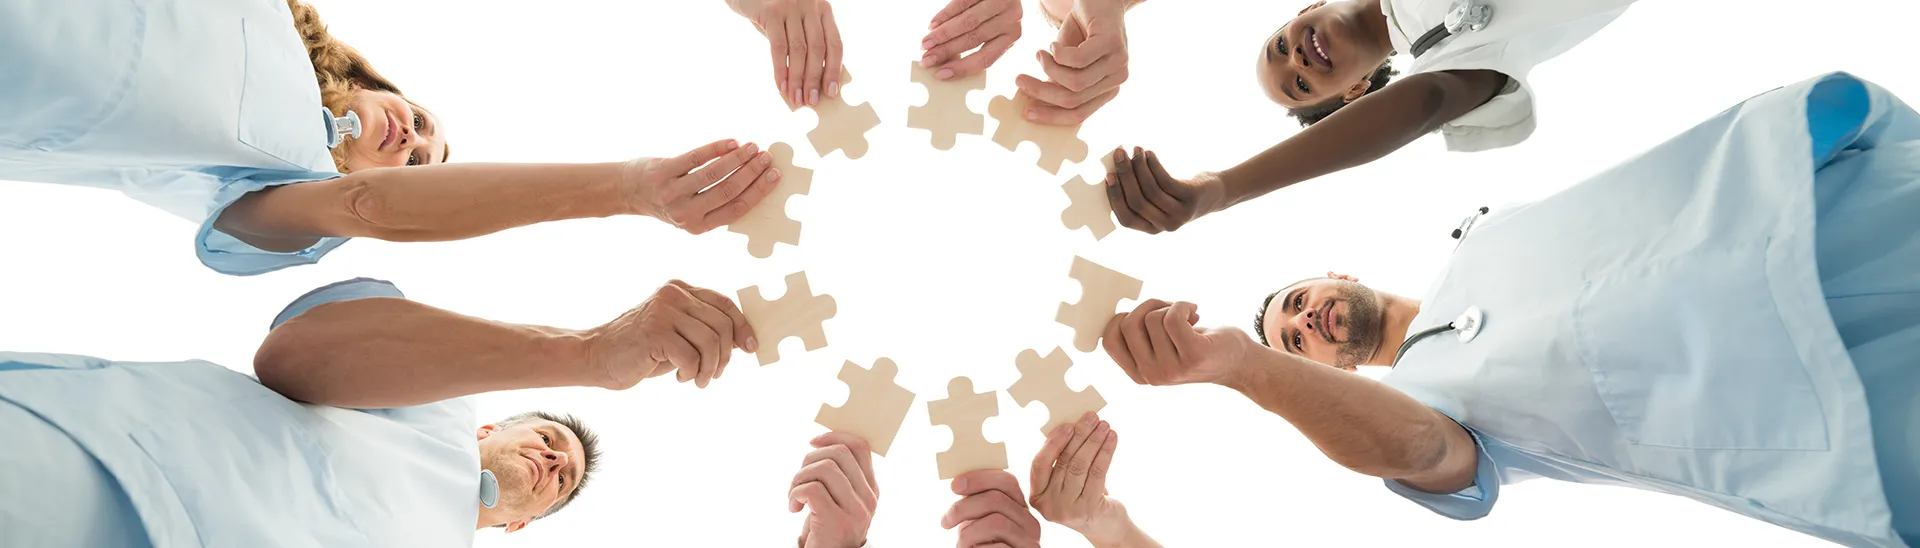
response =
{"points": [[1474, 502], [446, 420], [357, 288], [228, 255]]}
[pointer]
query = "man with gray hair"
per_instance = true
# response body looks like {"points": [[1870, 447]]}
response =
{"points": [[358, 431]]}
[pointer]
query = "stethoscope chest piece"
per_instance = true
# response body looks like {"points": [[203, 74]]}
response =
{"points": [[339, 129], [1467, 326], [489, 489]]}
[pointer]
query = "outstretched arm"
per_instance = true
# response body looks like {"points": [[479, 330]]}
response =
{"points": [[391, 352], [1358, 422], [444, 202]]}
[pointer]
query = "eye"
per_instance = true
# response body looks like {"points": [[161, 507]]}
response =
{"points": [[1299, 300], [413, 159], [1300, 83], [544, 439], [1296, 342], [419, 121], [1280, 45]]}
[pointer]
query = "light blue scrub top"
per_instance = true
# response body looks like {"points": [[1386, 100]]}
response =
{"points": [[1663, 325], [209, 457], [184, 105]]}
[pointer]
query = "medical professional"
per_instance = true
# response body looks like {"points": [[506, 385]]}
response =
{"points": [[836, 486], [358, 432], [243, 116], [1730, 317], [1468, 81], [1084, 67]]}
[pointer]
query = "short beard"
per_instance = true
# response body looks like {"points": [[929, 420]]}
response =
{"points": [[1365, 323]]}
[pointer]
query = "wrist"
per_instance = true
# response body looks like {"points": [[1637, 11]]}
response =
{"points": [[578, 354], [626, 188], [1247, 371], [1111, 529]]}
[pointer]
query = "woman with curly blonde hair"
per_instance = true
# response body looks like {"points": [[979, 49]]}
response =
{"points": [[223, 111]]}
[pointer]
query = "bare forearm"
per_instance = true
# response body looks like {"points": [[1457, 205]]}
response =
{"points": [[1367, 130], [441, 202], [1360, 423], [382, 353]]}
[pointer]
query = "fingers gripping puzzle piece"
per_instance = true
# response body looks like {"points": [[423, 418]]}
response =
{"points": [[875, 406], [946, 113], [1101, 290], [841, 126], [1058, 144], [965, 413], [798, 313], [1089, 208], [767, 223], [1045, 380]]}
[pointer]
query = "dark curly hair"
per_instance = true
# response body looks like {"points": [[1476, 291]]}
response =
{"points": [[1310, 115]]}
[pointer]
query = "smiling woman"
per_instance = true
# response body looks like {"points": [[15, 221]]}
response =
{"points": [[220, 116]]}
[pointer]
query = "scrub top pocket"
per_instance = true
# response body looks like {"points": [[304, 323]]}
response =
{"points": [[1675, 371], [280, 111]]}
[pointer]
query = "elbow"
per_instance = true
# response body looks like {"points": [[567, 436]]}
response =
{"points": [[276, 365], [1414, 453], [365, 210]]}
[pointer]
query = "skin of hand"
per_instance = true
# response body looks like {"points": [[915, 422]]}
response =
{"points": [[680, 328], [1069, 481], [1085, 65], [992, 511], [836, 485], [991, 26], [1159, 344], [805, 44], [706, 188], [1145, 198]]}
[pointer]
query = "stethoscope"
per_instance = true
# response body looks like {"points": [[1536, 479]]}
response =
{"points": [[1467, 326], [1462, 16], [339, 128]]}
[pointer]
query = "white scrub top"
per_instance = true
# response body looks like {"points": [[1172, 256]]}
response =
{"points": [[1522, 33], [1662, 326], [185, 105], [209, 457]]}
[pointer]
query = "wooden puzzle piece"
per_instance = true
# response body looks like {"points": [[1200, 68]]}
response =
{"points": [[875, 408], [1101, 290], [1089, 208], [767, 223], [946, 113], [798, 313], [1058, 144], [841, 126], [1045, 380], [965, 413]]}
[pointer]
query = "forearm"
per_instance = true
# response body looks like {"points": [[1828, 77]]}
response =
{"points": [[1357, 422], [1129, 535], [441, 202], [1369, 129], [382, 353]]}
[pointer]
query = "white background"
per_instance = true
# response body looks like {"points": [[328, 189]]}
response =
{"points": [[950, 263]]}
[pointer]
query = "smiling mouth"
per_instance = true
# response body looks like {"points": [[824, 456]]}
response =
{"points": [[388, 139], [1326, 321], [1317, 48], [535, 468]]}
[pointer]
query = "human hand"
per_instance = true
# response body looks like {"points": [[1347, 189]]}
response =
{"points": [[1069, 481], [680, 191], [805, 43], [990, 25], [1085, 65], [1158, 344], [835, 484], [681, 327], [1145, 198], [991, 511]]}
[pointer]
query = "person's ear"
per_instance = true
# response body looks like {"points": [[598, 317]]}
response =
{"points": [[1358, 90], [1351, 369], [1303, 11], [485, 430], [1332, 274], [516, 525]]}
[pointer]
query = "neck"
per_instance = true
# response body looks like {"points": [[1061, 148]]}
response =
{"points": [[1398, 313], [1373, 23]]}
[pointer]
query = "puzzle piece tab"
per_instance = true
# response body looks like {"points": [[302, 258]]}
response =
{"points": [[946, 113], [965, 413], [767, 223], [875, 406], [1089, 209], [841, 126], [1058, 144], [798, 313], [1045, 380], [1101, 290]]}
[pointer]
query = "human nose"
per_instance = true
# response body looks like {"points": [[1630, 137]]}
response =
{"points": [[555, 459], [1305, 321]]}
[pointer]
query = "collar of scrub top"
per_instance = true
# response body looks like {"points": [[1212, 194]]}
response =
{"points": [[340, 128], [1462, 16], [489, 489]]}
